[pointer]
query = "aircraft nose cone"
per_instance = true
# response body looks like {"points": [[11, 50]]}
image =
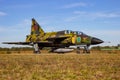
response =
{"points": [[96, 41]]}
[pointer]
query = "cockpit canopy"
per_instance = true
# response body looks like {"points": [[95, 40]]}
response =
{"points": [[69, 32]]}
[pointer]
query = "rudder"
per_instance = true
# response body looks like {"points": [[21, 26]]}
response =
{"points": [[36, 28]]}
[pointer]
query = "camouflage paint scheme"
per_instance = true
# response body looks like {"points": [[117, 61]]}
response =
{"points": [[65, 37], [59, 39]]}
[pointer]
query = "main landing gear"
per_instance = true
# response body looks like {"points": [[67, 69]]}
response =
{"points": [[85, 49], [36, 48]]}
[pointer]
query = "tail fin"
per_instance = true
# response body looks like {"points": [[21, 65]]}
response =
{"points": [[36, 28]]}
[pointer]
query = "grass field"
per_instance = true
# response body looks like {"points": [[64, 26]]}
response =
{"points": [[71, 66]]}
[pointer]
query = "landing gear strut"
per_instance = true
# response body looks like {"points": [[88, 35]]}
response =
{"points": [[36, 48], [85, 49], [78, 50]]}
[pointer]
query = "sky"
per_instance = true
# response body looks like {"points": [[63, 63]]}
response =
{"points": [[98, 18]]}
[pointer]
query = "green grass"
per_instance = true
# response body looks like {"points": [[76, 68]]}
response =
{"points": [[60, 67]]}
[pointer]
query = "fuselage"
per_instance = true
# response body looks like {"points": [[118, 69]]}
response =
{"points": [[63, 38]]}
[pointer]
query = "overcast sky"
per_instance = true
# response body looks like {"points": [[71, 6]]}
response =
{"points": [[99, 18]]}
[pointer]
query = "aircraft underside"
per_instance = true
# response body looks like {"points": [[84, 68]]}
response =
{"points": [[62, 48]]}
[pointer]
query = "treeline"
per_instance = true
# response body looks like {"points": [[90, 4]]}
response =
{"points": [[105, 47], [31, 48], [16, 49]]}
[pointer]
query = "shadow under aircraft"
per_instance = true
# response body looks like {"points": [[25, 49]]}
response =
{"points": [[59, 41]]}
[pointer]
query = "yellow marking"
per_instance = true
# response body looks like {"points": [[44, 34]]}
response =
{"points": [[74, 39]]}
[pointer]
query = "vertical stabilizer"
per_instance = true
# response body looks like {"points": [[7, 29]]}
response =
{"points": [[36, 28], [37, 32]]}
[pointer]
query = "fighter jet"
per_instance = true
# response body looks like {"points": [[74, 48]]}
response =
{"points": [[57, 41]]}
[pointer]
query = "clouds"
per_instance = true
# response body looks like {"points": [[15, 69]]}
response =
{"points": [[15, 32], [74, 5], [16, 28], [2, 13], [84, 15], [24, 22], [89, 12], [104, 33], [98, 14]]}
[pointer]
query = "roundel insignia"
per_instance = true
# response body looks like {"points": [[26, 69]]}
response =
{"points": [[78, 39]]}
